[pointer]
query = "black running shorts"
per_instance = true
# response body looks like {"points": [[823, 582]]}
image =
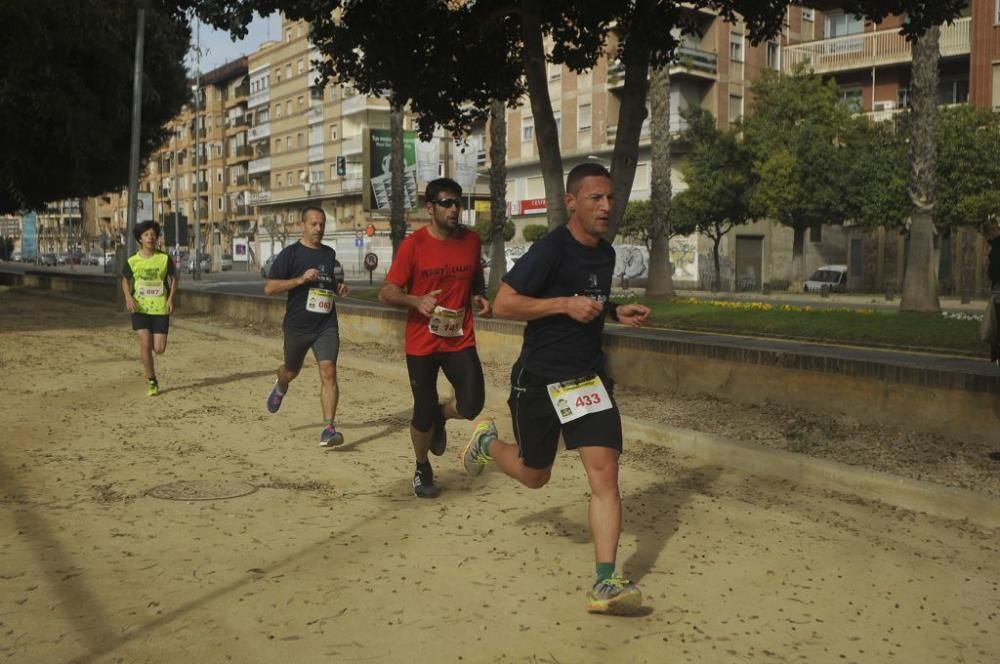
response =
{"points": [[537, 427], [325, 346], [462, 369], [157, 324]]}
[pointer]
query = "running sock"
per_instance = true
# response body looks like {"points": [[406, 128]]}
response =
{"points": [[424, 467], [333, 425], [605, 571]]}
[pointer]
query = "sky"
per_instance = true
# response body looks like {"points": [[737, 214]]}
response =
{"points": [[218, 48]]}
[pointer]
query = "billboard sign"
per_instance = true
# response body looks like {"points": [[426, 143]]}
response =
{"points": [[377, 169], [29, 236]]}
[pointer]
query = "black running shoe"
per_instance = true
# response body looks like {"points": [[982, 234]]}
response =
{"points": [[423, 483]]}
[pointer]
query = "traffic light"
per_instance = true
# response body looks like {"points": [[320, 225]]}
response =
{"points": [[342, 166]]}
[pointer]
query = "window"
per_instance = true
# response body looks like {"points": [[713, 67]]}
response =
{"points": [[333, 93], [298, 140], [555, 71], [736, 46], [288, 142], [333, 132], [288, 107], [735, 108], [535, 188], [288, 35], [773, 55], [300, 30], [853, 99], [996, 18], [301, 100], [583, 116], [953, 91], [300, 66], [527, 129], [302, 175], [288, 179], [218, 203], [808, 14], [277, 180], [277, 110], [996, 84], [288, 70], [316, 176], [263, 116], [277, 74], [816, 233], [841, 24]]}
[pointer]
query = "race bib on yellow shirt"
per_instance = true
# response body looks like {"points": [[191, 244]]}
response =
{"points": [[576, 398], [320, 301], [446, 322], [148, 288]]}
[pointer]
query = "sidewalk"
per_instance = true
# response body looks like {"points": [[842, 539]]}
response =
{"points": [[332, 559]]}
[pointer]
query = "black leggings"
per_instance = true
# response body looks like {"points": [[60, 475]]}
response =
{"points": [[463, 371]]}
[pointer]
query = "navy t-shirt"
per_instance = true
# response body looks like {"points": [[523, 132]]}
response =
{"points": [[558, 348], [292, 262]]}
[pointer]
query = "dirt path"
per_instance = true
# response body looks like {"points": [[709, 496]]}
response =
{"points": [[332, 559]]}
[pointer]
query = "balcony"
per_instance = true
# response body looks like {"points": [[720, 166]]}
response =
{"points": [[350, 185], [259, 165], [240, 211], [360, 104], [870, 49], [241, 180], [314, 114], [351, 145], [259, 132], [199, 187], [259, 98], [695, 61], [244, 151], [238, 121], [315, 153], [259, 197]]}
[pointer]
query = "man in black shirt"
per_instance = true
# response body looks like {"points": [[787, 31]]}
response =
{"points": [[561, 287], [306, 271]]}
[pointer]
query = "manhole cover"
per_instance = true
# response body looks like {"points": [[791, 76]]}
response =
{"points": [[201, 490]]}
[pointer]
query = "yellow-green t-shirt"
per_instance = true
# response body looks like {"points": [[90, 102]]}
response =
{"points": [[148, 277]]}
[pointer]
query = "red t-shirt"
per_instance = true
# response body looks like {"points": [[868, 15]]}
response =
{"points": [[424, 264]]}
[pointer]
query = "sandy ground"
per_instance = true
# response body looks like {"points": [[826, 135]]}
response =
{"points": [[331, 559]]}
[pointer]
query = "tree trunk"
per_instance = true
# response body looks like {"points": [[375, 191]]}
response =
{"points": [[498, 192], [716, 241], [920, 278], [797, 269], [631, 112], [397, 213], [546, 132], [660, 282]]}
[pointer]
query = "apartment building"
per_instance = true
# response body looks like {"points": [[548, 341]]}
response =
{"points": [[715, 70], [871, 64]]}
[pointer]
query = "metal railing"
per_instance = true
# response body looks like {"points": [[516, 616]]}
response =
{"points": [[870, 49]]}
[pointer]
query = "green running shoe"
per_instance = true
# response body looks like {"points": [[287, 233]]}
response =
{"points": [[476, 454], [152, 388], [615, 596]]}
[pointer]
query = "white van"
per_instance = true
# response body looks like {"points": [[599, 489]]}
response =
{"points": [[833, 277]]}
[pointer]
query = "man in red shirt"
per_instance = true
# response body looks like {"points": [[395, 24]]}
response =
{"points": [[438, 275]]}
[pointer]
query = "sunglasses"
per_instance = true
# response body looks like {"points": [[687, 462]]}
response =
{"points": [[448, 203]]}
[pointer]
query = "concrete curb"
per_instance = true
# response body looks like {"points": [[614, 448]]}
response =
{"points": [[901, 492]]}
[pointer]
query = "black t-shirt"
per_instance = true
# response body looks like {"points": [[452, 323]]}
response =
{"points": [[557, 347], [291, 263]]}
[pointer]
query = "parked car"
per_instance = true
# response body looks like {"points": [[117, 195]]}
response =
{"points": [[93, 258], [48, 259], [832, 277], [204, 265]]}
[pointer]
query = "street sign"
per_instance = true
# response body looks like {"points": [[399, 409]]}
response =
{"points": [[371, 262], [358, 242]]}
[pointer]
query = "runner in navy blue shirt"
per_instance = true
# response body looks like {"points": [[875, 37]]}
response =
{"points": [[307, 271], [561, 287]]}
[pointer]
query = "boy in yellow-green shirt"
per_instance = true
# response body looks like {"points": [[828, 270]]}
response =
{"points": [[149, 281]]}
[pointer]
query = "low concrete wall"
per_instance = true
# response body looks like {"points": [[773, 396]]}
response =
{"points": [[953, 403]]}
